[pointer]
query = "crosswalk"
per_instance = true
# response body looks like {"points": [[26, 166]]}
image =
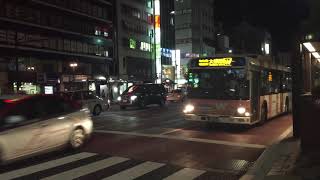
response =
{"points": [[85, 165]]}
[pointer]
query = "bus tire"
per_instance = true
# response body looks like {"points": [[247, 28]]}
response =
{"points": [[263, 114], [287, 109], [209, 125]]}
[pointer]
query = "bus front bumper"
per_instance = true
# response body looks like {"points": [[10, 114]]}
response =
{"points": [[218, 119]]}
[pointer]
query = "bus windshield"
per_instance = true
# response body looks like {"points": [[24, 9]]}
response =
{"points": [[225, 83]]}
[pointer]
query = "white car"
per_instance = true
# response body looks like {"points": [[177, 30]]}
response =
{"points": [[89, 100], [177, 95], [31, 125]]}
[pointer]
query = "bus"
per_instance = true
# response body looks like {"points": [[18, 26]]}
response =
{"points": [[243, 90]]}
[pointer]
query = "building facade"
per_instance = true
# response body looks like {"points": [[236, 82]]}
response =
{"points": [[194, 29], [248, 39], [135, 39], [48, 46], [167, 27]]}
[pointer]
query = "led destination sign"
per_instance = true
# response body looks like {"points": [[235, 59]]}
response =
{"points": [[215, 62], [218, 62]]}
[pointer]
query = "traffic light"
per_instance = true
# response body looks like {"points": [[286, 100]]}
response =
{"points": [[270, 77]]}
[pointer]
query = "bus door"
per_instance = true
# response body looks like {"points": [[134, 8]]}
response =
{"points": [[255, 95]]}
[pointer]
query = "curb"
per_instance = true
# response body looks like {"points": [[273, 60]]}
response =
{"points": [[265, 162]]}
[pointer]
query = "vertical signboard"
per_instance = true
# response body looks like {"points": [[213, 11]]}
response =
{"points": [[158, 39]]}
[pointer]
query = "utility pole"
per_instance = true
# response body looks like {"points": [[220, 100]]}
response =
{"points": [[296, 85], [18, 83]]}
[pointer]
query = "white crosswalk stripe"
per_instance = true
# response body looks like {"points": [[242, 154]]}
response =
{"points": [[185, 174], [44, 166], [96, 163], [136, 171], [87, 169]]}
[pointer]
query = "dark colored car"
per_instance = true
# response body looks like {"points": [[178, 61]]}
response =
{"points": [[143, 95]]}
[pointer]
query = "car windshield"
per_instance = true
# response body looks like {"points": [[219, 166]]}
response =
{"points": [[177, 91], [228, 84], [132, 89]]}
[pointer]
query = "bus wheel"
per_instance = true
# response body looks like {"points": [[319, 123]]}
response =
{"points": [[287, 106], [209, 125], [263, 115]]}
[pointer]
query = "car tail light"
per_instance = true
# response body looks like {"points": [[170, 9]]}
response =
{"points": [[8, 101]]}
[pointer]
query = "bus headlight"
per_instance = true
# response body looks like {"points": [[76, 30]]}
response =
{"points": [[189, 108], [241, 110], [133, 98]]}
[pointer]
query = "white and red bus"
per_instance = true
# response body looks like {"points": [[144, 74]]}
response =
{"points": [[237, 90]]}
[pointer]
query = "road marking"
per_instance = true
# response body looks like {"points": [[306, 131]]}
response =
{"points": [[209, 141], [285, 134], [136, 171], [44, 166], [169, 132], [185, 174], [87, 169]]}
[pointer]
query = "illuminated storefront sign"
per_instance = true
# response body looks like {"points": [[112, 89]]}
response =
{"points": [[158, 39], [166, 52], [215, 62], [48, 89]]}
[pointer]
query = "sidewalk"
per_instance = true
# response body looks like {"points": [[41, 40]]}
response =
{"points": [[284, 161]]}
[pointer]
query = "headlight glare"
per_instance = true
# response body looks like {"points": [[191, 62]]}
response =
{"points": [[119, 98], [189, 108], [241, 110], [133, 98]]}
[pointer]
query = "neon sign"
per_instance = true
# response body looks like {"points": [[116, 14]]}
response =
{"points": [[215, 62]]}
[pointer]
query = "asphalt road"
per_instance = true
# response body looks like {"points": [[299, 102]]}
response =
{"points": [[155, 143]]}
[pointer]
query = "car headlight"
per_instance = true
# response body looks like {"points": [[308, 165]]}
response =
{"points": [[247, 114], [189, 108], [119, 98], [133, 98], [241, 110]]}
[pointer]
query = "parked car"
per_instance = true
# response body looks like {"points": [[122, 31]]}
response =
{"points": [[143, 95], [31, 125], [177, 95], [88, 99]]}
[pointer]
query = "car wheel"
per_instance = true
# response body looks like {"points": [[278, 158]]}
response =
{"points": [[1, 158], [123, 107], [97, 110], [142, 104], [162, 103], [77, 138]]}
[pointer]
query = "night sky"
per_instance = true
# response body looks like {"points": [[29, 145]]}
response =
{"points": [[280, 17]]}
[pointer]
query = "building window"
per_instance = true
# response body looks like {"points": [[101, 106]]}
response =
{"points": [[106, 53], [97, 32], [132, 43], [171, 21], [149, 4]]}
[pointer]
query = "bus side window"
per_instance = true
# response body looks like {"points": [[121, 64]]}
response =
{"points": [[286, 82]]}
